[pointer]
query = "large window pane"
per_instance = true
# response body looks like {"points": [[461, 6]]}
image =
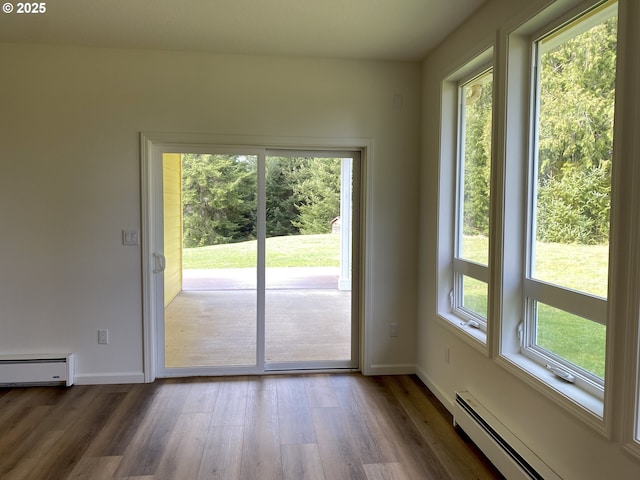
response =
{"points": [[475, 165], [576, 97]]}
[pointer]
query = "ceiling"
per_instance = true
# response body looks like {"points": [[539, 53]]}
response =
{"points": [[353, 29]]}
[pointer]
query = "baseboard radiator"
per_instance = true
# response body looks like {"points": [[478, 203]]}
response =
{"points": [[36, 369], [509, 455]]}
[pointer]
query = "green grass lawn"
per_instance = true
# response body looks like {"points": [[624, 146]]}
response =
{"points": [[291, 251], [580, 267]]}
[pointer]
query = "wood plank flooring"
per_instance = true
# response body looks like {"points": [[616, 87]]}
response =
{"points": [[313, 426]]}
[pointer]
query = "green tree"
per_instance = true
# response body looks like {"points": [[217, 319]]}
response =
{"points": [[577, 98], [282, 212], [576, 205], [303, 194], [477, 161], [575, 143], [575, 140], [218, 199], [317, 193]]}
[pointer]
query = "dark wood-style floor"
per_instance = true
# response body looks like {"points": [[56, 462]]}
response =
{"points": [[316, 426]]}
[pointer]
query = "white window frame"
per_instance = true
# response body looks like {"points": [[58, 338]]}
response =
{"points": [[469, 327], [461, 266], [515, 138], [584, 305]]}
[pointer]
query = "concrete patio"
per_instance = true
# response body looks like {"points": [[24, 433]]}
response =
{"points": [[212, 322]]}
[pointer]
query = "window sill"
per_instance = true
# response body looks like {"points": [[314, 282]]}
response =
{"points": [[472, 336], [633, 448], [584, 405]]}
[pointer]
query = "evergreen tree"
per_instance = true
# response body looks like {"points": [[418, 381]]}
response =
{"points": [[575, 141], [281, 201], [477, 160], [317, 191], [218, 199], [575, 146]]}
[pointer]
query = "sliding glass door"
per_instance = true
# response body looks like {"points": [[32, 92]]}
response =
{"points": [[259, 261]]}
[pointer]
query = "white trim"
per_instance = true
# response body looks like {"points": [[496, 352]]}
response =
{"points": [[555, 33], [367, 246], [220, 141], [440, 395], [392, 369], [448, 224], [112, 378], [626, 336], [573, 399], [148, 332], [475, 337]]}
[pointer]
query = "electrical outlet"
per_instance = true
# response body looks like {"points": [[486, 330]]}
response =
{"points": [[103, 337], [393, 329]]}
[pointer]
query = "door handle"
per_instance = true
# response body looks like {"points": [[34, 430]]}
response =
{"points": [[160, 262]]}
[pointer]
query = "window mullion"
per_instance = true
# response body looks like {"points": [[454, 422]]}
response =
{"points": [[471, 269], [576, 303]]}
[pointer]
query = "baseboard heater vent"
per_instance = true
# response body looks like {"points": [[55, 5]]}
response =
{"points": [[514, 459], [36, 369]]}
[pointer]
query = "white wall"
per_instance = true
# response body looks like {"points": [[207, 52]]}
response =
{"points": [[570, 447], [69, 181]]}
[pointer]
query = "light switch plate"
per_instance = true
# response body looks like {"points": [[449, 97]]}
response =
{"points": [[103, 336], [130, 237]]}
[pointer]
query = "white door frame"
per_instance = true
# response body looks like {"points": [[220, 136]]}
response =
{"points": [[153, 145]]}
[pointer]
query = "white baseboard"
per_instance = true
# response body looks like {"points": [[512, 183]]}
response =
{"points": [[444, 399], [390, 369], [108, 378]]}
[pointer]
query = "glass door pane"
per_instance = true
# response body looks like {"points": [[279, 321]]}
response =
{"points": [[308, 262], [210, 237]]}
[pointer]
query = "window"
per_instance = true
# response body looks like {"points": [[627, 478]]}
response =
{"points": [[525, 187], [466, 149], [565, 285], [471, 248], [551, 265]]}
